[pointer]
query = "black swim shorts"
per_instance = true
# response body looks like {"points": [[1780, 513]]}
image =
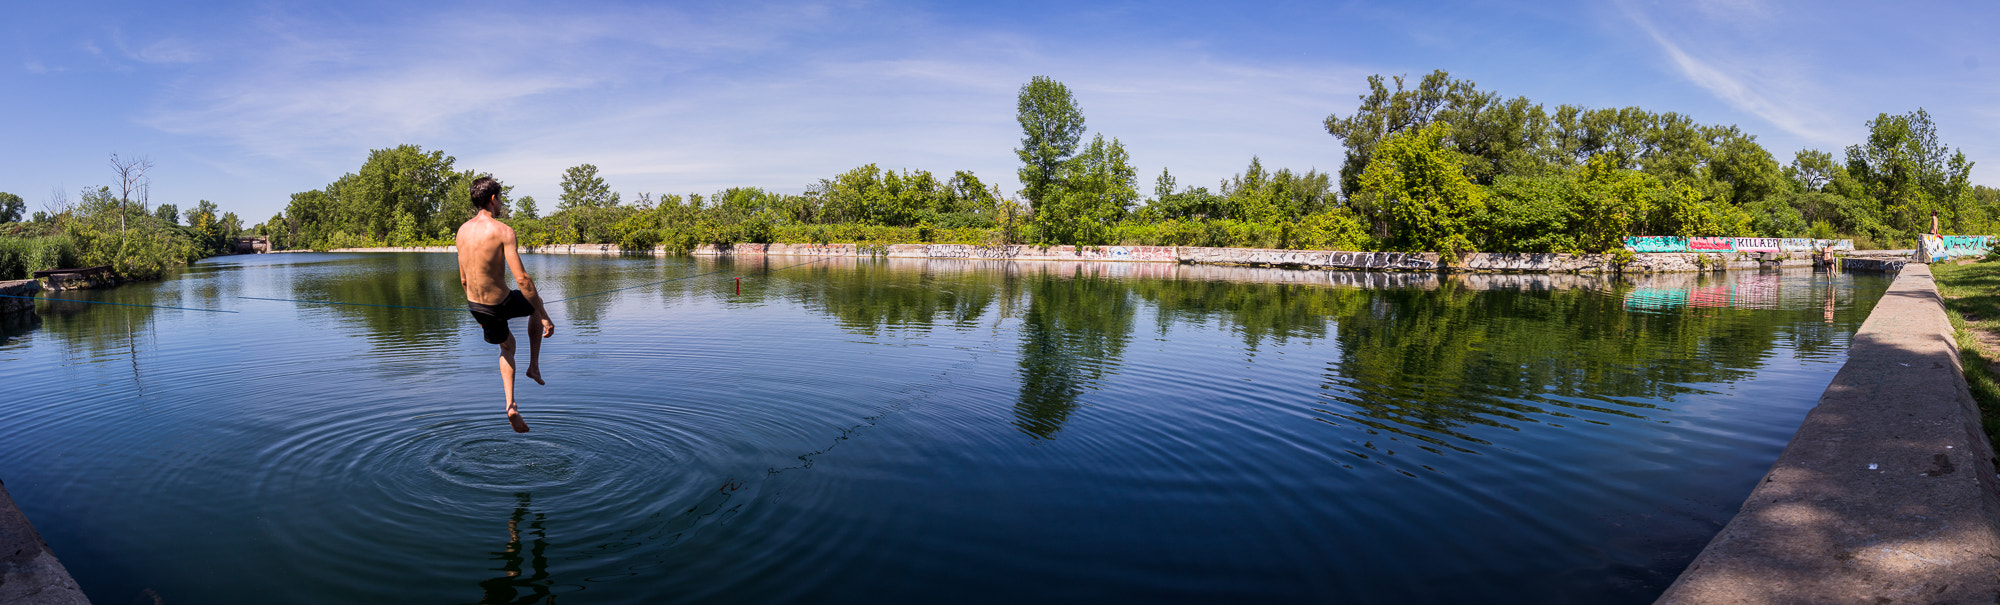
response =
{"points": [[493, 318]]}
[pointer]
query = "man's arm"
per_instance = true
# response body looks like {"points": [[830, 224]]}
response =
{"points": [[509, 245]]}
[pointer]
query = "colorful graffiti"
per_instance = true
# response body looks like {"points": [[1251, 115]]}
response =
{"points": [[1755, 244], [1940, 247], [1662, 243], [1656, 243], [1711, 244]]}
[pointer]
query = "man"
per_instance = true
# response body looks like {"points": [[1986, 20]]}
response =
{"points": [[486, 250]]}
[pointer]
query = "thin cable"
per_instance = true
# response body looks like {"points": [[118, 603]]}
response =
{"points": [[95, 302], [688, 277], [328, 302]]}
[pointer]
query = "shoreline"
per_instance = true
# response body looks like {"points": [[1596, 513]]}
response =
{"points": [[1485, 262], [1885, 493]]}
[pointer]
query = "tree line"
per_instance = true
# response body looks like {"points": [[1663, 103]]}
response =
{"points": [[1432, 165], [111, 225]]}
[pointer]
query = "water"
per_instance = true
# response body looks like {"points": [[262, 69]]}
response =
{"points": [[884, 431]]}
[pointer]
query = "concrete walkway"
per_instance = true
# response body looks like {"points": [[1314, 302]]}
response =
{"points": [[1887, 492], [29, 573]]}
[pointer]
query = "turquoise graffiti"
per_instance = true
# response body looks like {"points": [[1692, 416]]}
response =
{"points": [[1940, 247], [1656, 243]]}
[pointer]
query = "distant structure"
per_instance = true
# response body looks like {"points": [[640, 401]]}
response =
{"points": [[252, 245]]}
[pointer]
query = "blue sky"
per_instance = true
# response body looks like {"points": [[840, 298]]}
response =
{"points": [[245, 103]]}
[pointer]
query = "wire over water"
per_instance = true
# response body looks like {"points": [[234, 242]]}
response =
{"points": [[330, 302], [99, 302], [684, 278]]}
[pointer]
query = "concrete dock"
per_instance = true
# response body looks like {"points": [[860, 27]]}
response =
{"points": [[1886, 494], [29, 573]]}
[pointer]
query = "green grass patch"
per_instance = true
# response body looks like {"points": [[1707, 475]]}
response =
{"points": [[21, 256], [1972, 301]]}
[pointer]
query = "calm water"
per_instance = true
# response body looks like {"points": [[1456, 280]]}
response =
{"points": [[868, 430]]}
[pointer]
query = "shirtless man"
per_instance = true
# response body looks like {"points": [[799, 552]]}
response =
{"points": [[486, 251]]}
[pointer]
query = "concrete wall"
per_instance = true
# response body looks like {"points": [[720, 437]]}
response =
{"points": [[20, 287], [1251, 257], [1886, 494], [29, 572]]}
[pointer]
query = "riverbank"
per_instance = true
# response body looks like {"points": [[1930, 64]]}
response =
{"points": [[1254, 257], [29, 573], [1887, 491], [1971, 292]]}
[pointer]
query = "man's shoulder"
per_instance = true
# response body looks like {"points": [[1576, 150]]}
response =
{"points": [[483, 232]]}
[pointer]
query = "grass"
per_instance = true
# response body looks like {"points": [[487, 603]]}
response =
{"points": [[1972, 300]]}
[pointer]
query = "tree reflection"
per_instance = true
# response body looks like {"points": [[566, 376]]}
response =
{"points": [[512, 587], [394, 282], [870, 297], [1075, 327], [1428, 364]]}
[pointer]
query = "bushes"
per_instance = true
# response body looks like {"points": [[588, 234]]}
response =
{"points": [[20, 257]]}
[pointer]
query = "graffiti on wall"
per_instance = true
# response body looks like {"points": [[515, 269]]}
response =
{"points": [[1656, 243], [1661, 243], [1755, 244], [1940, 247], [1711, 244]]}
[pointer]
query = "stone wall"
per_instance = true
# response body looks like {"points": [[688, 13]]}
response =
{"points": [[1885, 494], [21, 287], [1674, 262], [1887, 265]]}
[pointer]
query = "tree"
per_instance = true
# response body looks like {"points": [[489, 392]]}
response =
{"points": [[168, 213], [11, 207], [132, 182], [205, 224], [525, 207], [1421, 194], [582, 188], [1098, 187], [1904, 167], [1051, 125]]}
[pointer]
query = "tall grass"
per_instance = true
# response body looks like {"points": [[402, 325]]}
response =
{"points": [[1972, 300], [22, 256]]}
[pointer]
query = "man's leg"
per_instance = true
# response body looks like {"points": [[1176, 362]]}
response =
{"points": [[507, 382], [535, 347]]}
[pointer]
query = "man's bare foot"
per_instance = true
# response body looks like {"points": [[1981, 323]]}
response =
{"points": [[535, 374], [514, 418]]}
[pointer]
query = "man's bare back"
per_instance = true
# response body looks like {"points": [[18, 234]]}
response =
{"points": [[487, 251]]}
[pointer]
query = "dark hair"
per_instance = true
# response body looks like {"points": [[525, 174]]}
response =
{"points": [[485, 192]]}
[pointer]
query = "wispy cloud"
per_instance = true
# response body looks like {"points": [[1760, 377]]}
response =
{"points": [[1767, 85], [671, 101]]}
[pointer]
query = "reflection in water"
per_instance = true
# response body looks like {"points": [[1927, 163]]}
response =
{"points": [[1075, 327], [509, 587], [1433, 364], [15, 324]]}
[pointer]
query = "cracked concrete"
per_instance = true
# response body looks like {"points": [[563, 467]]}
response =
{"points": [[29, 573], [1886, 494]]}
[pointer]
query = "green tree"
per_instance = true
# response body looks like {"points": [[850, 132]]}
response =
{"points": [[1098, 187], [207, 227], [582, 188], [1051, 126], [1906, 169], [1421, 193], [168, 213], [11, 207], [525, 207]]}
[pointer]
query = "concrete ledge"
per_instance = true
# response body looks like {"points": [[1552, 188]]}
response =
{"points": [[29, 573], [1886, 493], [1884, 265], [19, 287], [1250, 257]]}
